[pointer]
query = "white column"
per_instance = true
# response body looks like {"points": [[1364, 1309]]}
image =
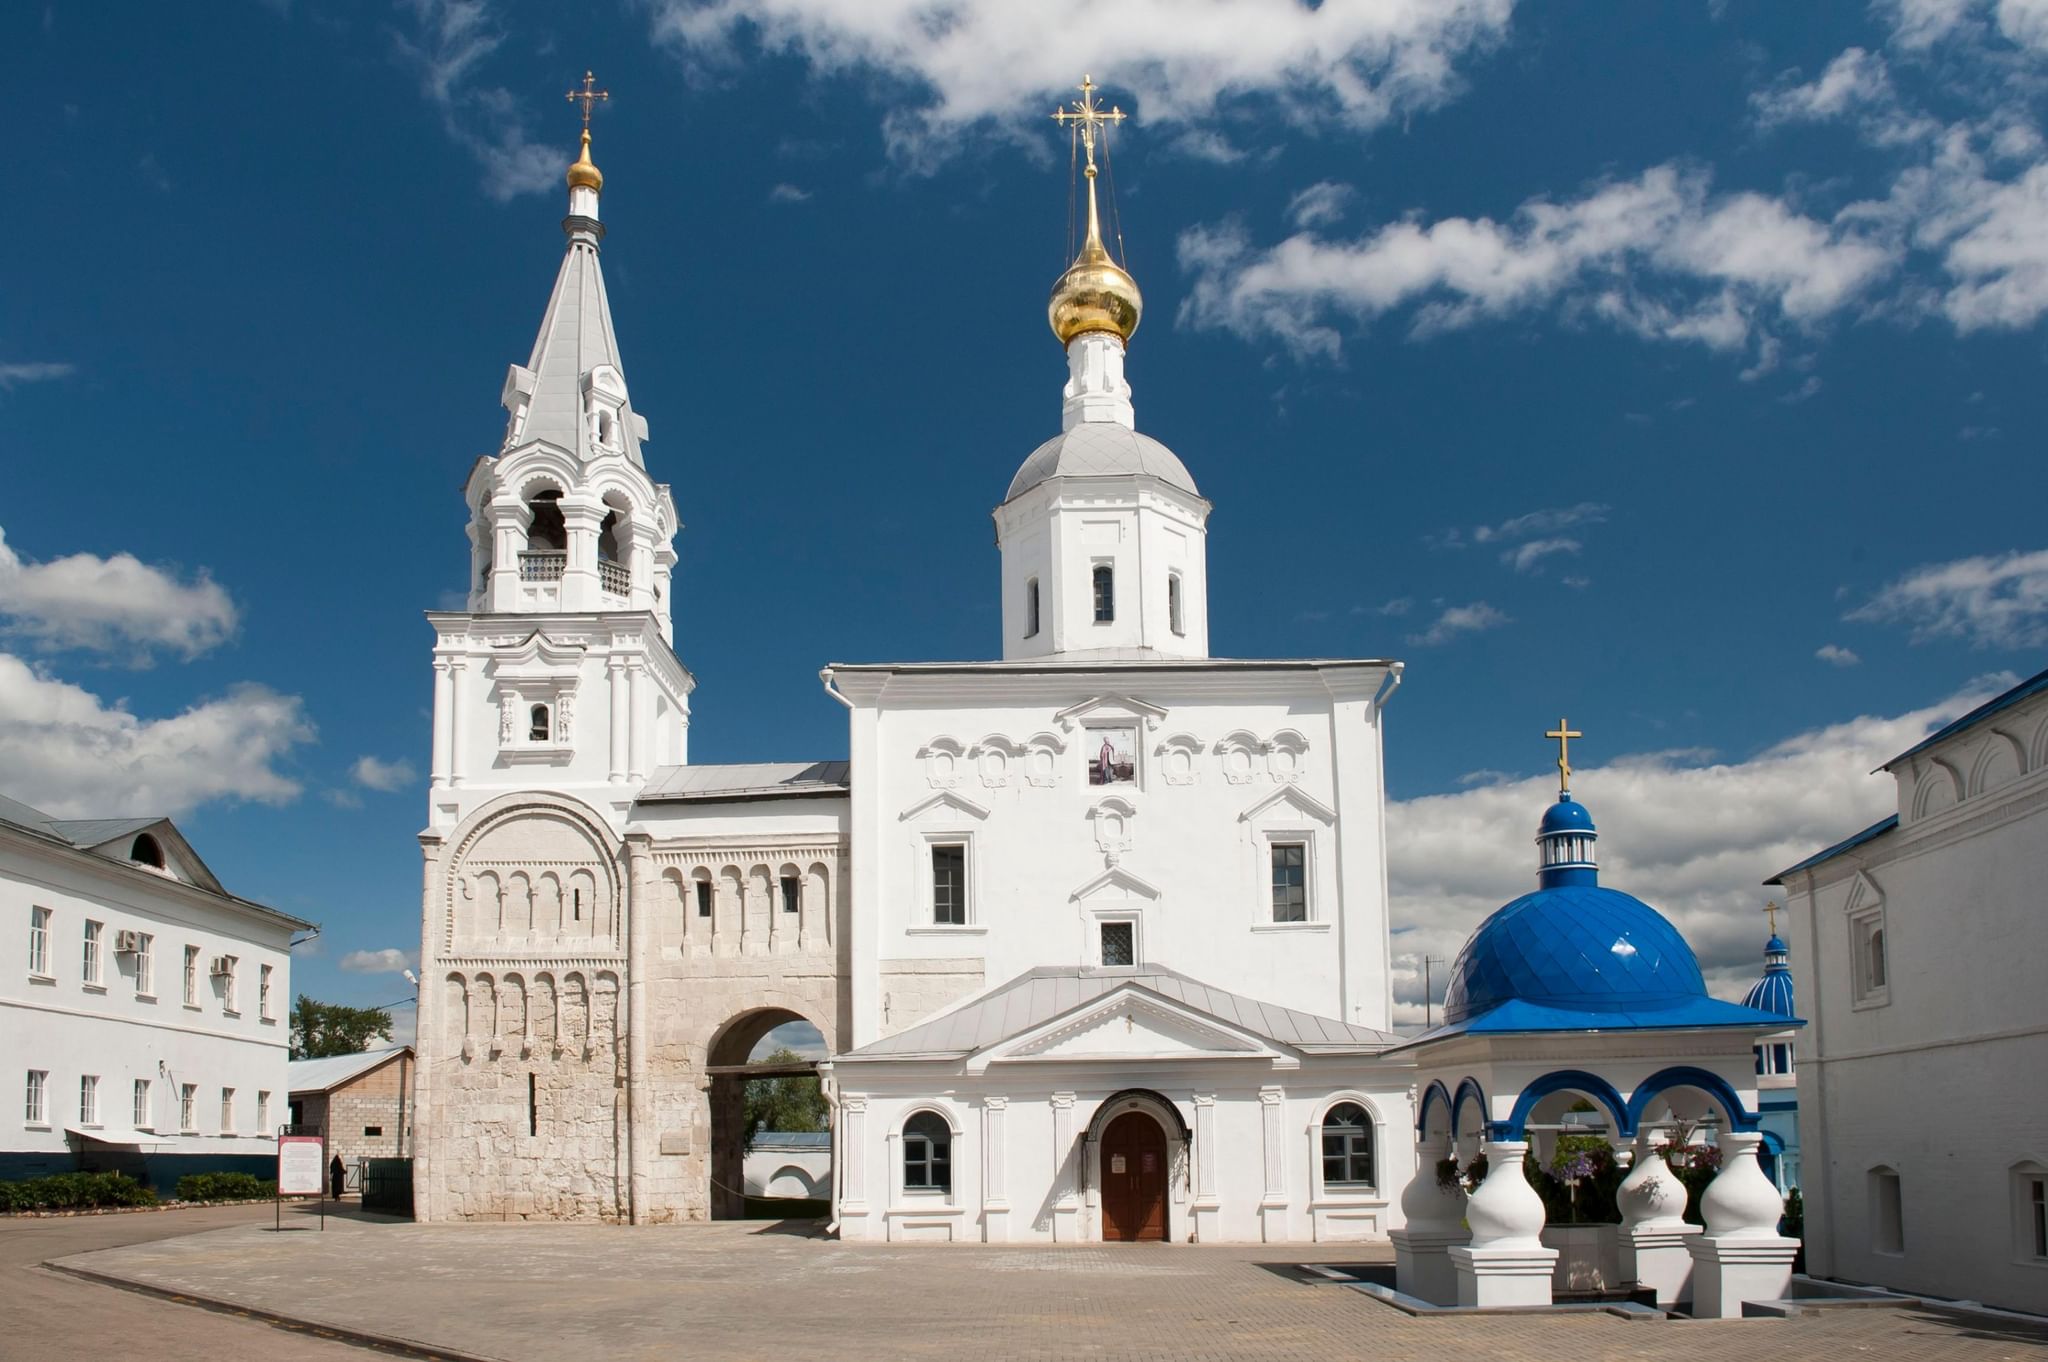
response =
{"points": [[1066, 1208], [444, 720], [1273, 1204], [1434, 1216], [1653, 1236], [1208, 1206], [850, 1151], [1506, 1263], [995, 1201], [615, 674], [457, 748], [1741, 1257], [579, 579], [638, 694]]}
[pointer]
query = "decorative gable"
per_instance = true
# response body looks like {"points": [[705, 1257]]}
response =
{"points": [[1133, 1024], [1109, 708], [1291, 797], [1115, 883], [939, 804]]}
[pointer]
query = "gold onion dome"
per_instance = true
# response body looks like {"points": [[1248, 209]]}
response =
{"points": [[1095, 294], [584, 174]]}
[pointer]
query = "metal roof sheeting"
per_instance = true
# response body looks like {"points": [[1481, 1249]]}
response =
{"points": [[324, 1075], [1100, 449], [754, 779]]}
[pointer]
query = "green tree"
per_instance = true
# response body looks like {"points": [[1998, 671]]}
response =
{"points": [[784, 1104], [323, 1029]]}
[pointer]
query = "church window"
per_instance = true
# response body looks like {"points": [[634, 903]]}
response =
{"points": [[576, 905], [546, 531], [790, 893], [532, 1105], [539, 728], [1347, 1147], [1887, 1212], [39, 941], [927, 1153], [1031, 608], [1869, 965], [37, 1112], [1876, 949], [949, 885], [1174, 620], [1119, 945], [704, 898], [2030, 1213], [1105, 593], [1290, 882]]}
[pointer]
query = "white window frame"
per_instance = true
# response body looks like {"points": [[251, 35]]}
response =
{"points": [[263, 1111], [1106, 917], [1887, 1216], [89, 1100], [35, 1099], [933, 846], [230, 1005], [39, 919], [92, 957], [2030, 1214], [1864, 991], [263, 976], [1032, 618], [192, 954], [227, 1111], [1264, 839], [1096, 565], [899, 1148], [139, 1113], [188, 1108], [1176, 604], [921, 922], [145, 965], [1326, 1190]]}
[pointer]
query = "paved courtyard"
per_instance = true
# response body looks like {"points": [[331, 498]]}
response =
{"points": [[516, 1292]]}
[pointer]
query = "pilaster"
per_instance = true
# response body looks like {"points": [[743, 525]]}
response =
{"points": [[995, 1201], [1273, 1203]]}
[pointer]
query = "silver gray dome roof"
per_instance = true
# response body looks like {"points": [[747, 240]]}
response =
{"points": [[1098, 449]]}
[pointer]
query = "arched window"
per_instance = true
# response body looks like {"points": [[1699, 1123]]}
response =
{"points": [[1105, 593], [540, 729], [927, 1153], [147, 852], [546, 532], [1031, 608], [1173, 610], [1347, 1146], [608, 538]]}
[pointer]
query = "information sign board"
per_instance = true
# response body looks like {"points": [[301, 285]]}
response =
{"points": [[301, 1165]]}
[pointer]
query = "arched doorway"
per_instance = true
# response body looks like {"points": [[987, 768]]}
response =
{"points": [[1134, 1173], [766, 1109]]}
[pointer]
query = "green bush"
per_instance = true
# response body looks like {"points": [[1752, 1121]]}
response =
{"points": [[224, 1187], [74, 1191]]}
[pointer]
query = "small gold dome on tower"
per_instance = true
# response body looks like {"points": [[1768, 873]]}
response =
{"points": [[584, 174], [1095, 294]]}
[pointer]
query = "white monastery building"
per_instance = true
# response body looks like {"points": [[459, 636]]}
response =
{"points": [[1921, 967], [1095, 932], [145, 1006]]}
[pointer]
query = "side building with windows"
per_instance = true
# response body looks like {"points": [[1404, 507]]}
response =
{"points": [[146, 1005], [1920, 961]]}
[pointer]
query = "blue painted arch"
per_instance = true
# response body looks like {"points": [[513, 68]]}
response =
{"points": [[1468, 1090], [1435, 1092], [1686, 1076], [1569, 1080]]}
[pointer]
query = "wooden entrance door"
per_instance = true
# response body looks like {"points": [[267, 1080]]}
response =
{"points": [[1133, 1179]]}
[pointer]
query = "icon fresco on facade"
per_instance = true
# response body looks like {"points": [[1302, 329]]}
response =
{"points": [[1113, 760]]}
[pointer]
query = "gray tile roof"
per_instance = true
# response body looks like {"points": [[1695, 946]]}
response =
{"points": [[753, 780], [324, 1075], [1100, 449], [1039, 996], [575, 337]]}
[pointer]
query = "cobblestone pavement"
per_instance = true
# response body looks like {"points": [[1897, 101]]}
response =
{"points": [[518, 1292], [45, 1316]]}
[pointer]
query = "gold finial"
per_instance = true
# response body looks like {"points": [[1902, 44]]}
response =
{"points": [[1095, 294], [1771, 910], [1564, 733], [584, 174]]}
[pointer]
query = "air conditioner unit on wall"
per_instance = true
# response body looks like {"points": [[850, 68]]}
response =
{"points": [[222, 966], [127, 943]]}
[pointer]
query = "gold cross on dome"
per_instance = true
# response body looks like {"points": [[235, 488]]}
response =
{"points": [[1564, 733], [588, 96], [1771, 911], [1089, 116]]}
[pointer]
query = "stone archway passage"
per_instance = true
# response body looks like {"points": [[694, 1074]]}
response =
{"points": [[1134, 1180], [731, 1066]]}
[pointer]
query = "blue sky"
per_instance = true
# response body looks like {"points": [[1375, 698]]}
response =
{"points": [[1677, 368]]}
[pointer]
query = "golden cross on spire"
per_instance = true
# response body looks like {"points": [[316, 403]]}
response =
{"points": [[588, 96], [1771, 911], [1564, 733], [1089, 116]]}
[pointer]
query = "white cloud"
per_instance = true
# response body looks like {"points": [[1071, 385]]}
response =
{"points": [[1691, 838], [1837, 656], [1659, 256], [1990, 601], [390, 960], [14, 375], [66, 751], [1852, 82], [382, 775], [105, 604], [1529, 557], [1320, 204], [1459, 619], [454, 39], [1351, 62], [788, 193], [1549, 520]]}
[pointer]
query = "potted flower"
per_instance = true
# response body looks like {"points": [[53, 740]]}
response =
{"points": [[1582, 1216]]}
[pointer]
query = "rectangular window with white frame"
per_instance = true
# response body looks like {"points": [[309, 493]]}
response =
{"points": [[139, 1115], [263, 974], [191, 976], [188, 1108], [227, 1111], [39, 942], [949, 884], [1869, 961], [1118, 940], [1289, 881], [2030, 1214], [145, 965], [36, 1104], [89, 958], [263, 1111], [88, 1099], [224, 970], [1174, 613]]}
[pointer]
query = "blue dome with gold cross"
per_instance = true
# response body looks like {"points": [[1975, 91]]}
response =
{"points": [[1575, 955]]}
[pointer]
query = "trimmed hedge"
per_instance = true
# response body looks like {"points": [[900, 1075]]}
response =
{"points": [[75, 1191], [224, 1187]]}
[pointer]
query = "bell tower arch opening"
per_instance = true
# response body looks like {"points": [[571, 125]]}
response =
{"points": [[771, 1137]]}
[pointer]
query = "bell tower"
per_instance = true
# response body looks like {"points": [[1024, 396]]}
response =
{"points": [[560, 673]]}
